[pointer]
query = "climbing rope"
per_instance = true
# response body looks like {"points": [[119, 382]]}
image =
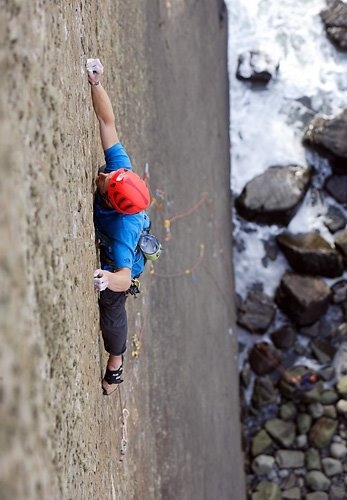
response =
{"points": [[185, 272], [124, 416]]}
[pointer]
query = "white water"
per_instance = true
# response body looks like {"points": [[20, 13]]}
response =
{"points": [[267, 125]]}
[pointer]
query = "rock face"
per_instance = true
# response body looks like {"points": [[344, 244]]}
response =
{"points": [[329, 134], [309, 253], [274, 196], [304, 298], [335, 21], [256, 66]]}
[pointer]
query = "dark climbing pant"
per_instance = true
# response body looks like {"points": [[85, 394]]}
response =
{"points": [[113, 321]]}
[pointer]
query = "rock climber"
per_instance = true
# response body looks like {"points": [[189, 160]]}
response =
{"points": [[119, 218]]}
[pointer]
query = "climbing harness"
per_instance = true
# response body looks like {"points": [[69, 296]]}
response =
{"points": [[134, 287]]}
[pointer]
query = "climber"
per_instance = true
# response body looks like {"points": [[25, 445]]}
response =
{"points": [[119, 218]]}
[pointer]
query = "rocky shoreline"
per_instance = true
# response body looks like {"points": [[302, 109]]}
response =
{"points": [[294, 380]]}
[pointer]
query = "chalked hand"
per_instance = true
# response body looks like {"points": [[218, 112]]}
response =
{"points": [[94, 69], [100, 280]]}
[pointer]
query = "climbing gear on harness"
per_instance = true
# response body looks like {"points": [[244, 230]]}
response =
{"points": [[127, 192], [134, 287], [113, 377], [150, 246]]}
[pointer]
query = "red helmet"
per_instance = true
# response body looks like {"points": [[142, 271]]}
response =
{"points": [[127, 192]]}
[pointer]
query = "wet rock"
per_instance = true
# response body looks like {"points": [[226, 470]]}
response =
{"points": [[341, 243], [335, 21], [336, 186], [257, 312], [329, 134], [261, 443], [263, 464], [281, 431], [256, 66], [267, 491], [290, 459], [304, 298], [322, 432], [331, 466], [309, 253], [342, 386], [274, 196], [264, 392], [264, 358], [339, 291], [312, 459], [284, 337], [317, 481], [335, 219]]}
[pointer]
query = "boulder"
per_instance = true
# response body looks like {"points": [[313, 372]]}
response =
{"points": [[266, 491], [312, 459], [336, 186], [317, 495], [341, 243], [291, 494], [257, 312], [317, 481], [263, 464], [309, 253], [283, 432], [256, 66], [335, 219], [340, 361], [331, 466], [264, 392], [341, 386], [284, 337], [329, 134], [264, 358], [290, 459], [303, 298], [261, 443], [339, 290], [335, 22], [274, 196], [322, 432]]}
